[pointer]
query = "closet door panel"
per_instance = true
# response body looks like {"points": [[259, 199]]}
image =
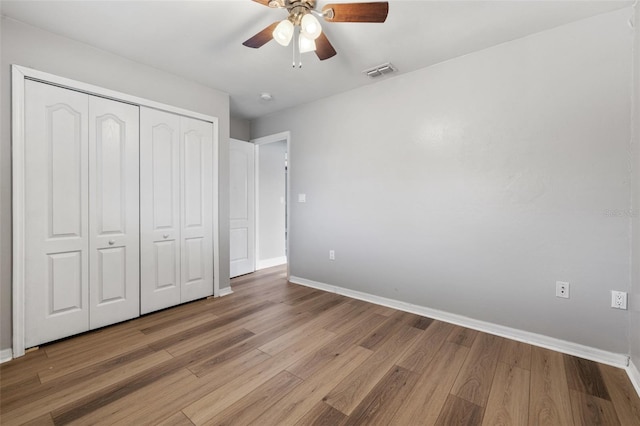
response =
{"points": [[197, 208], [159, 210], [113, 211], [56, 218]]}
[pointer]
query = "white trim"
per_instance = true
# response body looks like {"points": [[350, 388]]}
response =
{"points": [[90, 89], [216, 208], [634, 376], [277, 137], [256, 205], [272, 138], [268, 263], [594, 354], [6, 355], [288, 200], [18, 179], [18, 76], [225, 292]]}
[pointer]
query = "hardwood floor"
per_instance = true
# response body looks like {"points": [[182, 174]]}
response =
{"points": [[275, 353]]}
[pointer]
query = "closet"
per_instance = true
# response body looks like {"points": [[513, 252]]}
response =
{"points": [[116, 209], [81, 196], [176, 209]]}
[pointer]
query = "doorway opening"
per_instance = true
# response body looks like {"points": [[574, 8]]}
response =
{"points": [[272, 200], [259, 203]]}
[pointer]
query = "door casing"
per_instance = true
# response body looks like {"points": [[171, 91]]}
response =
{"points": [[277, 137]]}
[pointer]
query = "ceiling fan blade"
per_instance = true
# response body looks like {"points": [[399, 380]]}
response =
{"points": [[262, 38], [262, 2], [324, 49], [356, 12]]}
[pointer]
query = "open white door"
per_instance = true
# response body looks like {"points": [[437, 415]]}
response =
{"points": [[242, 207]]}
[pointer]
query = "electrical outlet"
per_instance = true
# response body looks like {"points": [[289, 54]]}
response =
{"points": [[562, 289], [618, 299], [332, 255]]}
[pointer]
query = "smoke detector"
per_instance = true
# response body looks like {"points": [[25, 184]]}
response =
{"points": [[380, 70], [266, 96]]}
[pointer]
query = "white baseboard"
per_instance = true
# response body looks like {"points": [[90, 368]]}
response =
{"points": [[225, 291], [634, 376], [268, 263], [6, 355], [587, 352]]}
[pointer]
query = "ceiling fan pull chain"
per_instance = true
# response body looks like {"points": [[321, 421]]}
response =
{"points": [[299, 52], [296, 50], [293, 54]]}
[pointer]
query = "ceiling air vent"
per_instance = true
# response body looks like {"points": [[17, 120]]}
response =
{"points": [[380, 70]]}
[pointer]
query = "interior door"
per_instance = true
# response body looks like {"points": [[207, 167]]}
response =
{"points": [[196, 155], [242, 207], [113, 212], [159, 210], [57, 230]]}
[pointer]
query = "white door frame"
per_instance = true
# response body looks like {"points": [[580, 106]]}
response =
{"points": [[286, 136], [18, 76]]}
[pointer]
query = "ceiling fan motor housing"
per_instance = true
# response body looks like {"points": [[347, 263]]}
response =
{"points": [[288, 4], [297, 9]]}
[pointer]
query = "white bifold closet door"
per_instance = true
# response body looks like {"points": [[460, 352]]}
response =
{"points": [[81, 219], [176, 209], [114, 214]]}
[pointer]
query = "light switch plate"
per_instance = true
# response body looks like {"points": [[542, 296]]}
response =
{"points": [[302, 198]]}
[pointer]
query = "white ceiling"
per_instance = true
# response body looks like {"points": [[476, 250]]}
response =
{"points": [[201, 40]]}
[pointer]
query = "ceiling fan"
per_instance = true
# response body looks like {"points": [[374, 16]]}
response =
{"points": [[302, 15]]}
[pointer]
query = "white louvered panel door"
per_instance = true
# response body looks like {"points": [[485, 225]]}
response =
{"points": [[197, 208], [56, 216], [159, 210], [113, 212]]}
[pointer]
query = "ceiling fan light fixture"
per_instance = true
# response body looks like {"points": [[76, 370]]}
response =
{"points": [[303, 22], [310, 26], [306, 44], [283, 32]]}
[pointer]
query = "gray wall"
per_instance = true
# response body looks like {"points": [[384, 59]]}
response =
{"points": [[240, 129], [634, 299], [34, 48], [271, 193], [472, 186]]}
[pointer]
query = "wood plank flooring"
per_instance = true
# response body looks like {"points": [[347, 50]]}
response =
{"points": [[275, 353]]}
